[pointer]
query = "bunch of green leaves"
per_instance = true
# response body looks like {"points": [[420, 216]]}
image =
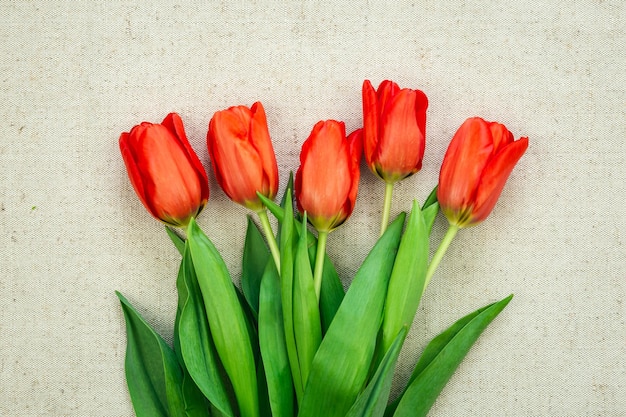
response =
{"points": [[271, 349]]}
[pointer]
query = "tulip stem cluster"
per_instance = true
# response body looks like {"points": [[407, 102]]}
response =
{"points": [[269, 235], [319, 262], [441, 250], [386, 207]]}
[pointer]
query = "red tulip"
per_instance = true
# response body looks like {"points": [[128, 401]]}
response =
{"points": [[328, 178], [475, 168], [164, 170], [242, 154], [394, 130]]}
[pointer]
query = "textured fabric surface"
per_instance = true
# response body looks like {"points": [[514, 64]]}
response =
{"points": [[74, 75]]}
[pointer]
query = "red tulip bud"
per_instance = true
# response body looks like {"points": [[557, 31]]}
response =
{"points": [[242, 155], [164, 170], [477, 164], [394, 123], [328, 178]]}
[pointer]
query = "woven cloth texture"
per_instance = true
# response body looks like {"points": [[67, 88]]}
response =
{"points": [[75, 74]]}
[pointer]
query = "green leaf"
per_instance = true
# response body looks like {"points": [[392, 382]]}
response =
{"points": [[178, 241], [288, 188], [406, 284], [342, 362], [195, 340], [195, 403], [430, 209], [441, 358], [152, 372], [251, 322], [276, 210], [373, 400], [255, 256], [265, 409], [431, 199], [226, 318], [306, 315], [287, 242], [272, 344], [332, 292], [430, 214]]}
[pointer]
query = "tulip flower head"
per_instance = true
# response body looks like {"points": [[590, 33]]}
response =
{"points": [[475, 168], [327, 180], [242, 155], [394, 128], [164, 170]]}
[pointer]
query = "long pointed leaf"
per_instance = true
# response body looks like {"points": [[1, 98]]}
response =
{"points": [[195, 402], [227, 320], [255, 256], [265, 409], [196, 343], [306, 315], [287, 239], [441, 358], [277, 210], [152, 372], [373, 400], [179, 242], [272, 344], [406, 284], [289, 188], [431, 199], [342, 362], [430, 214]]}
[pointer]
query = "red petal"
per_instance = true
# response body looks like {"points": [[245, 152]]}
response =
{"points": [[260, 138], [370, 122], [401, 142], [355, 140], [131, 168], [463, 164], [172, 187], [174, 124], [500, 135], [386, 91], [495, 176], [322, 192], [421, 105], [236, 163]]}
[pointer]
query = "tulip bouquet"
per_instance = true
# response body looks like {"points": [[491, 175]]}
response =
{"points": [[289, 340]]}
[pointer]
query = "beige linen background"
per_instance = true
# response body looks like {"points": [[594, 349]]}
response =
{"points": [[75, 74]]}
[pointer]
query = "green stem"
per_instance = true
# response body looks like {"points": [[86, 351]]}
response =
{"points": [[319, 262], [269, 235], [386, 207], [441, 250]]}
